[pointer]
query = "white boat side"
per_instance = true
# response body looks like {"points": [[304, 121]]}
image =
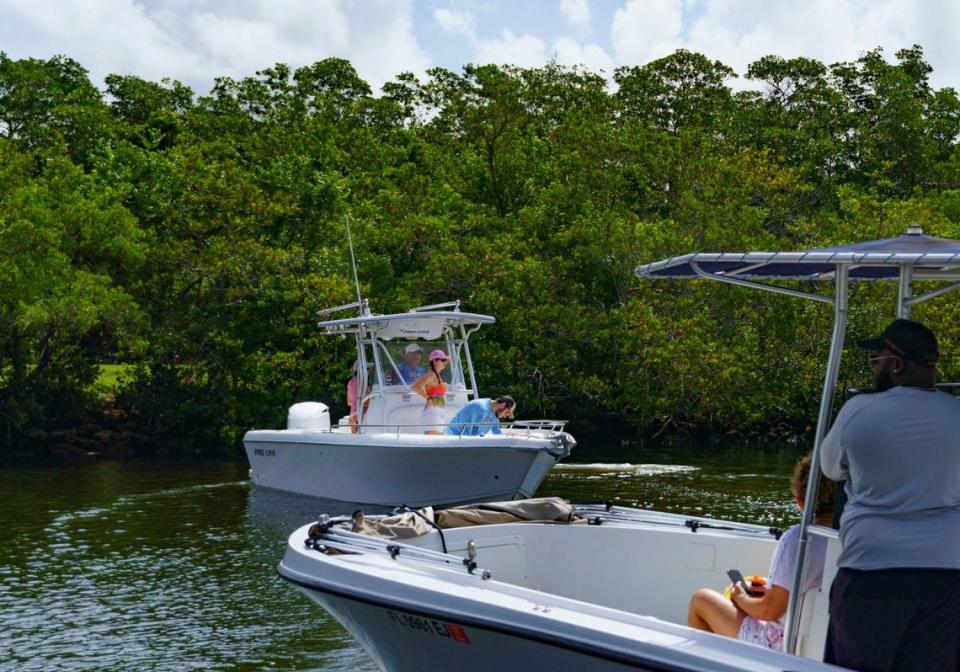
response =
{"points": [[569, 597], [395, 468]]}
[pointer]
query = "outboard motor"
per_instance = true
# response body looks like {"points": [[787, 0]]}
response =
{"points": [[309, 415]]}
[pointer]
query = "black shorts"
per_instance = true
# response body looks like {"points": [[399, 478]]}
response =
{"points": [[895, 619]]}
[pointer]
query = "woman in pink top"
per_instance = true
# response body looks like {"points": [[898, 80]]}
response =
{"points": [[432, 388]]}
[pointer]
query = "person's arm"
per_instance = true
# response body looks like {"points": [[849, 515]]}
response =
{"points": [[833, 458], [494, 428], [768, 607]]}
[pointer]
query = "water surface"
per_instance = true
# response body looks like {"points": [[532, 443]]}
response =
{"points": [[171, 566]]}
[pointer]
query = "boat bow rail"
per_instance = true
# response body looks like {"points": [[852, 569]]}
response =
{"points": [[329, 535]]}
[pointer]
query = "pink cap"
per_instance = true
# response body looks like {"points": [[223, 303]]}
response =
{"points": [[438, 354]]}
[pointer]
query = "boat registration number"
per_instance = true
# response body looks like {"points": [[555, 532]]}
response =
{"points": [[265, 452], [455, 632]]}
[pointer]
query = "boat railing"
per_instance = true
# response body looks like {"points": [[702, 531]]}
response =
{"points": [[327, 535], [549, 425], [605, 512], [527, 428]]}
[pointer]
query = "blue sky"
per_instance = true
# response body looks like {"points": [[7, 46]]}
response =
{"points": [[196, 40]]}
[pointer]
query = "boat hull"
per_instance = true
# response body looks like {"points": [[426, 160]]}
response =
{"points": [[394, 470], [410, 614], [400, 640]]}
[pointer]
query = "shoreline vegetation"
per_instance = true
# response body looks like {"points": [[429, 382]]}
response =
{"points": [[163, 254]]}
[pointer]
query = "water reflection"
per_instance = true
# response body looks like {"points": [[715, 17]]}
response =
{"points": [[173, 578]]}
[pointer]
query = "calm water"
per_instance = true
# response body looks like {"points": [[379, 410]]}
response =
{"points": [[160, 566]]}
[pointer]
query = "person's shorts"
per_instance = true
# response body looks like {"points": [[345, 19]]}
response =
{"points": [[433, 419], [894, 619], [762, 633]]}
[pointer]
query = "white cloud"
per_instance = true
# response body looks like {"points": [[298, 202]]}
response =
{"points": [[197, 41], [738, 32], [455, 23], [525, 51], [568, 51], [643, 30], [576, 12]]}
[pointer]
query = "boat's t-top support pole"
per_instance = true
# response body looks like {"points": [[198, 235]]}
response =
{"points": [[839, 303], [823, 423], [466, 353], [905, 292]]}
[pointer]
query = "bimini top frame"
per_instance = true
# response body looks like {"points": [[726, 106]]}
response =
{"points": [[907, 258], [370, 331], [405, 325]]}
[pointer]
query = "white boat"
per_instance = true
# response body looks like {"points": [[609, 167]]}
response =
{"points": [[614, 595], [385, 457], [610, 593]]}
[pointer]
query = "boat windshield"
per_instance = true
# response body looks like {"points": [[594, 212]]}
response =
{"points": [[404, 362]]}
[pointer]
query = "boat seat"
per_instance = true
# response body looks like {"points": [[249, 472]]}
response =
{"points": [[409, 413], [814, 613]]}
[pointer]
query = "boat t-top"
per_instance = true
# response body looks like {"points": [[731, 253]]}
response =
{"points": [[384, 454], [545, 585]]}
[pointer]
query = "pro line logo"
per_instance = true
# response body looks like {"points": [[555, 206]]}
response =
{"points": [[427, 625]]}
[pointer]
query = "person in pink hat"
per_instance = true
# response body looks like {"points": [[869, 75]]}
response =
{"points": [[431, 387]]}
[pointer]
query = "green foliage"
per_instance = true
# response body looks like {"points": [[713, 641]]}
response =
{"points": [[191, 241]]}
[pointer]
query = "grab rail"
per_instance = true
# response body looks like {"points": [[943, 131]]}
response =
{"points": [[326, 534], [530, 426], [606, 512]]}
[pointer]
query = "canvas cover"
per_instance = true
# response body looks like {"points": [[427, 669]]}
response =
{"points": [[398, 526], [540, 510], [411, 524]]}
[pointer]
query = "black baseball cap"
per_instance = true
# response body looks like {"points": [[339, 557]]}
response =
{"points": [[908, 339]]}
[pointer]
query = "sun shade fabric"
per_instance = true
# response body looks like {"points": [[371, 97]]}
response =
{"points": [[871, 260]]}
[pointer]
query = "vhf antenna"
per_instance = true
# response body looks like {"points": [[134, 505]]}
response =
{"points": [[353, 262]]}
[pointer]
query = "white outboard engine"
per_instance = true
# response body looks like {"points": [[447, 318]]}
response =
{"points": [[309, 415]]}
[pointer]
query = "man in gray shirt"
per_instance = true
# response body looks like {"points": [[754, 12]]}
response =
{"points": [[895, 602]]}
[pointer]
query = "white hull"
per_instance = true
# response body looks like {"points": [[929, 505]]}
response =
{"points": [[561, 597], [400, 469]]}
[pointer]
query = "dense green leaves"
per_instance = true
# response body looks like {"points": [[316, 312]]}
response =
{"points": [[194, 239]]}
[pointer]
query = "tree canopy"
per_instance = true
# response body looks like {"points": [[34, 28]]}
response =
{"points": [[193, 238]]}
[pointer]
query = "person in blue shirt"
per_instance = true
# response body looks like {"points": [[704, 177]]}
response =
{"points": [[480, 416], [410, 369]]}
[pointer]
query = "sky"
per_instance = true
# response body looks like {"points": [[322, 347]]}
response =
{"points": [[194, 41]]}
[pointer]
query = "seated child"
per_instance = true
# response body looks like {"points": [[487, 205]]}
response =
{"points": [[759, 619]]}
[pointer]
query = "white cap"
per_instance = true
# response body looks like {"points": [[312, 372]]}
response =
{"points": [[413, 347]]}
